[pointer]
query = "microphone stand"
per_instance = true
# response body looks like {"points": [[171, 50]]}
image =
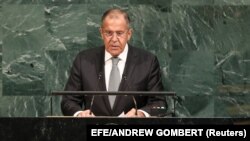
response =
{"points": [[133, 97], [93, 97], [135, 105]]}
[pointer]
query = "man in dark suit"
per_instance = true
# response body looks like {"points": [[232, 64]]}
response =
{"points": [[138, 70]]}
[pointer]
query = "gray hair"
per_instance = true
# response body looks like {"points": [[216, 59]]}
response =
{"points": [[116, 10]]}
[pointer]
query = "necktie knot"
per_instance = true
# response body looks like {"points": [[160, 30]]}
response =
{"points": [[115, 60]]}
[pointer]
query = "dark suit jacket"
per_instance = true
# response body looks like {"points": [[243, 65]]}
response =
{"points": [[141, 73]]}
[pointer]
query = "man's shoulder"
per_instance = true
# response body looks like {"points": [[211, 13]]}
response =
{"points": [[141, 51], [90, 54], [91, 51]]}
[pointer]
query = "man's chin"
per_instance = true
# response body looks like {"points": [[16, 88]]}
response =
{"points": [[114, 52]]}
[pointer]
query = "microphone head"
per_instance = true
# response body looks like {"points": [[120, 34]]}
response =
{"points": [[124, 76], [100, 75]]}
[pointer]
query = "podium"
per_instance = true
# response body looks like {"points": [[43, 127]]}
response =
{"points": [[164, 112]]}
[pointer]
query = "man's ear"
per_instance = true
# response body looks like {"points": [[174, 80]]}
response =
{"points": [[130, 32], [100, 30]]}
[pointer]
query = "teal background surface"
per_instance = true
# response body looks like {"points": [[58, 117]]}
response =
{"points": [[203, 47]]}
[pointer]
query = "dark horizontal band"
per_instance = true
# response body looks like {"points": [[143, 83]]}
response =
{"points": [[140, 93]]}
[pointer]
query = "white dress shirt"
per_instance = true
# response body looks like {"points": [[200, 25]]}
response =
{"points": [[108, 64]]}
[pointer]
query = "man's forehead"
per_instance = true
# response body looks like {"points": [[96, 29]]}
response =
{"points": [[114, 16]]}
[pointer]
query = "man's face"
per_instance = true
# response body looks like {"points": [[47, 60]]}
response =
{"points": [[115, 33]]}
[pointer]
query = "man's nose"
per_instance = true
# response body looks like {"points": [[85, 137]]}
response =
{"points": [[114, 37]]}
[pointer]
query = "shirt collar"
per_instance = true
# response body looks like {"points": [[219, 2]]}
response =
{"points": [[122, 56]]}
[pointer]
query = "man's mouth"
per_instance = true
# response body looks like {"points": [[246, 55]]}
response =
{"points": [[114, 46]]}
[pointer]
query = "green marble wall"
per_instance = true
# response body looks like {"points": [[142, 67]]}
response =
{"points": [[203, 47]]}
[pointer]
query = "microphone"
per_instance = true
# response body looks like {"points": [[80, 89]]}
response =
{"points": [[135, 105], [133, 97], [93, 97]]}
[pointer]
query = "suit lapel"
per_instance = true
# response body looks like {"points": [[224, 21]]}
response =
{"points": [[127, 76], [99, 62], [100, 71]]}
